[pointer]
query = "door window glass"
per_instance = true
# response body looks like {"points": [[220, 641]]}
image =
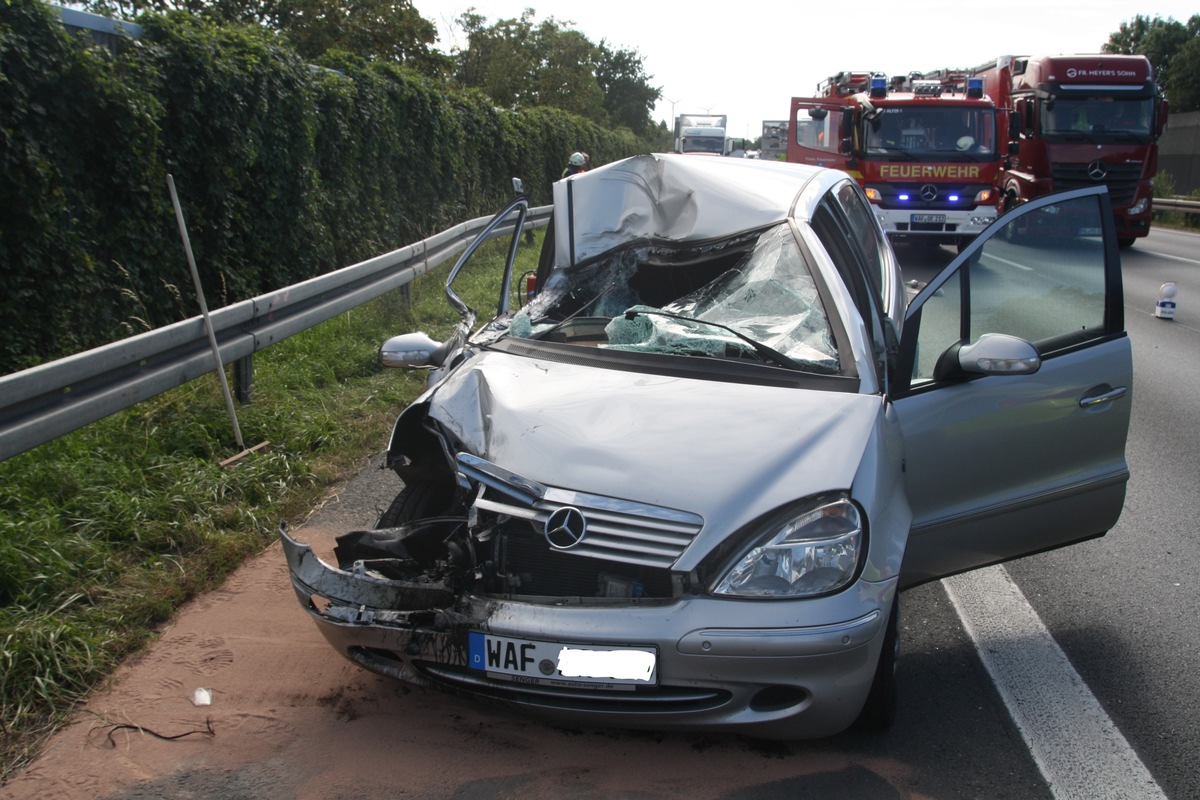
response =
{"points": [[814, 128], [941, 326], [1040, 277]]}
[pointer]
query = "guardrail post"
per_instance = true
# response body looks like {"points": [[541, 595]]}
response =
{"points": [[243, 375]]}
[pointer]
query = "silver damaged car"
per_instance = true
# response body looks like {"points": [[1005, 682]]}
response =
{"points": [[683, 486]]}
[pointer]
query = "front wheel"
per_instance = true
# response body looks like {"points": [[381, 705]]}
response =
{"points": [[879, 712], [1125, 242], [417, 500]]}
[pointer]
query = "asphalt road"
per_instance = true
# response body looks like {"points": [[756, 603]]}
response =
{"points": [[1120, 610], [1123, 608]]}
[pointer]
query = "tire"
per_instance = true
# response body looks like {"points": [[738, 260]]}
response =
{"points": [[417, 500], [1007, 202], [879, 712], [1126, 242]]}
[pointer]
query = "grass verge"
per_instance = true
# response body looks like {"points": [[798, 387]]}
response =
{"points": [[106, 532]]}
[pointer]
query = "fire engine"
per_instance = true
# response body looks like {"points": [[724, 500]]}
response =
{"points": [[1079, 120], [924, 146]]}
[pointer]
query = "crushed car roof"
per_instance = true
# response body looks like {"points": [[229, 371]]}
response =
{"points": [[672, 197]]}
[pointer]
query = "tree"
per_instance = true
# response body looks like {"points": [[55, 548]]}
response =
{"points": [[375, 30], [1170, 47], [499, 59], [1185, 77], [565, 72], [378, 30], [628, 96], [520, 63]]}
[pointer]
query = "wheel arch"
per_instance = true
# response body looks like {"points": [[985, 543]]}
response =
{"points": [[415, 450]]}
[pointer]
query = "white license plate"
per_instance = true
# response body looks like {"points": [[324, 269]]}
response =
{"points": [[1089, 231], [560, 664], [920, 218]]}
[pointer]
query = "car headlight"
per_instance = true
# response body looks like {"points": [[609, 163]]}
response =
{"points": [[815, 552], [1140, 206]]}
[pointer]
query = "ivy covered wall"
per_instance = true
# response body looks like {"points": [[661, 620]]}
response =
{"points": [[284, 171]]}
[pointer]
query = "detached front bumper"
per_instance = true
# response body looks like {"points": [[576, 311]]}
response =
{"points": [[742, 666]]}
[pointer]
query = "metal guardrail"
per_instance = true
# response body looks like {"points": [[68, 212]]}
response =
{"points": [[55, 398], [1176, 204]]}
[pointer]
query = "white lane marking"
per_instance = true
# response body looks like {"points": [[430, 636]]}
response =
{"points": [[1168, 257], [1078, 749]]}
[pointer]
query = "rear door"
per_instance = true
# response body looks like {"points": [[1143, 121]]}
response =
{"points": [[1003, 465], [816, 129]]}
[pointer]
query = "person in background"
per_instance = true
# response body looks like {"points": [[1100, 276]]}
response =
{"points": [[575, 164]]}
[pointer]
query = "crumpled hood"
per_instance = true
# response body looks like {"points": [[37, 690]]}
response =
{"points": [[727, 451]]}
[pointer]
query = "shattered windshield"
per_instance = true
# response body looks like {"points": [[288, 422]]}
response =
{"points": [[700, 301]]}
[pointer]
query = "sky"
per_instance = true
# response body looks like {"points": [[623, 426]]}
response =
{"points": [[748, 61]]}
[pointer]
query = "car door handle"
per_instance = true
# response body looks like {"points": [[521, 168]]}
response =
{"points": [[1105, 397]]}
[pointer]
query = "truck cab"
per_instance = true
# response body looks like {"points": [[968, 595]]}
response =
{"points": [[925, 149], [1076, 121]]}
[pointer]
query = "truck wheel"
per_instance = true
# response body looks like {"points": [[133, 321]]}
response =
{"points": [[417, 500], [879, 712], [1125, 242], [1006, 202]]}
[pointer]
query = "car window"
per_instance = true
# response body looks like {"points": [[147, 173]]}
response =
{"points": [[1040, 277], [864, 233], [846, 228]]}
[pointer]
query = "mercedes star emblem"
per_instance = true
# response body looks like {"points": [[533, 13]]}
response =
{"points": [[565, 528]]}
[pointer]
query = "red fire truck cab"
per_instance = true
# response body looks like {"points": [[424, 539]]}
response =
{"points": [[925, 147]]}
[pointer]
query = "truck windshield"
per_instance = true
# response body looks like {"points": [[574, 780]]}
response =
{"points": [[703, 144], [925, 131], [1098, 118]]}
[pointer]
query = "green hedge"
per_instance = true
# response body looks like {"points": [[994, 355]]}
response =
{"points": [[284, 170]]}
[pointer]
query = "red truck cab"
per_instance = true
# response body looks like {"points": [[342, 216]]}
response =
{"points": [[1076, 121]]}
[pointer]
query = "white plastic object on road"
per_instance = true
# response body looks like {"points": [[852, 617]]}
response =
{"points": [[1165, 308]]}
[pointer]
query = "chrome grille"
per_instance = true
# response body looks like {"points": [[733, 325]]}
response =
{"points": [[618, 530], [1121, 179]]}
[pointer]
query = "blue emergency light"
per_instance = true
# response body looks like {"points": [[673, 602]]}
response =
{"points": [[878, 86], [975, 87]]}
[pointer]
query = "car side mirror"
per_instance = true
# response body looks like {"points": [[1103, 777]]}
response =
{"points": [[411, 351], [992, 354]]}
